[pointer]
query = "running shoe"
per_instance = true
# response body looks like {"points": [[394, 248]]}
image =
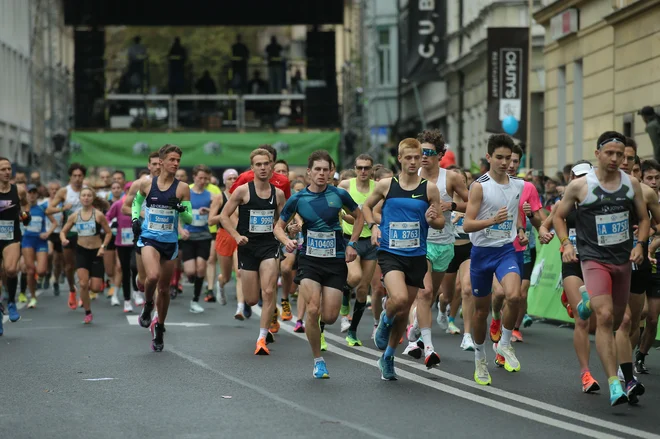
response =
{"points": [[22, 298], [114, 300], [617, 395], [511, 363], [564, 298], [527, 321], [195, 307], [373, 331], [324, 344], [413, 350], [128, 306], [261, 348], [453, 329], [46, 283], [569, 310], [495, 330], [368, 304], [634, 389], [386, 366], [382, 336], [286, 311], [467, 344], [431, 358], [516, 336], [173, 293], [352, 340], [584, 307], [73, 303], [320, 370], [111, 292], [56, 289], [14, 316], [344, 323], [640, 367], [92, 295], [220, 292], [619, 374], [274, 324], [481, 375], [157, 330], [247, 311], [589, 384], [270, 338], [416, 331], [299, 328], [345, 310], [443, 322], [88, 318], [33, 303], [499, 359], [139, 299], [210, 297], [144, 319]]}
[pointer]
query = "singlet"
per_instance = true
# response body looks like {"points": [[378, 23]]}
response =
{"points": [[603, 221], [38, 222], [403, 227], [446, 235], [87, 227], [72, 198], [359, 198], [496, 196], [200, 223], [256, 218], [59, 217], [224, 202], [459, 233], [10, 205], [160, 220]]}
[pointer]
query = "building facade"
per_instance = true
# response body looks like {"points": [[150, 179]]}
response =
{"points": [[602, 66]]}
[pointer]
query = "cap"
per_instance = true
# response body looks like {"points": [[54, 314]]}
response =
{"points": [[229, 173], [581, 169], [31, 187], [647, 111]]}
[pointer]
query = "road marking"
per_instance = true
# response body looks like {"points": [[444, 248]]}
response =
{"points": [[98, 379], [583, 418], [273, 396], [133, 320]]}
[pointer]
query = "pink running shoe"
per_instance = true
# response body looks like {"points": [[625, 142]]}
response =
{"points": [[88, 319]]}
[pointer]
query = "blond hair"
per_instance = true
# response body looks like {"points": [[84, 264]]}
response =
{"points": [[260, 151], [410, 143]]}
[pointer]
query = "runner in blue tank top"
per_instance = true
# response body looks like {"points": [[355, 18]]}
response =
{"points": [[167, 200], [410, 206]]}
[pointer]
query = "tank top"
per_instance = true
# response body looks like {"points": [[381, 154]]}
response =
{"points": [[57, 216], [257, 217], [87, 227], [603, 221], [224, 202], [37, 224], [359, 198], [200, 222], [72, 198], [496, 196], [446, 235], [403, 228], [161, 222], [10, 229], [458, 226]]}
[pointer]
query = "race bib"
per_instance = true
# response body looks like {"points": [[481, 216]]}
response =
{"points": [[502, 230], [612, 228], [321, 244], [87, 228], [261, 221], [6, 230], [572, 236], [404, 234], [36, 224], [458, 227], [160, 220], [435, 233], [199, 220], [127, 236]]}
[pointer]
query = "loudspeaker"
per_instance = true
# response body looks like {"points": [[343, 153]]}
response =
{"points": [[89, 76], [321, 104]]}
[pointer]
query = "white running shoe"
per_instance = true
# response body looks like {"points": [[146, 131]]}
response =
{"points": [[467, 344], [413, 350], [195, 307], [619, 375], [345, 323], [220, 293], [443, 322], [114, 301], [415, 331], [128, 307], [139, 298]]}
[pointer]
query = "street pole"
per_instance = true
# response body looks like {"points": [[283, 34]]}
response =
{"points": [[528, 152]]}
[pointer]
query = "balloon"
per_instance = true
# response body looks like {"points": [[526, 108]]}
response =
{"points": [[510, 125]]}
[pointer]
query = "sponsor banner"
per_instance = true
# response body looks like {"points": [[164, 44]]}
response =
{"points": [[423, 45]]}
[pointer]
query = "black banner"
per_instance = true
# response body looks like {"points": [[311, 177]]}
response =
{"points": [[508, 61], [423, 46]]}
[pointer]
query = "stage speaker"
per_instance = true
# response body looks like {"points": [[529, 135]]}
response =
{"points": [[321, 104], [89, 77]]}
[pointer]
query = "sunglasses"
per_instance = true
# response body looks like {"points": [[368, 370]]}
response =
{"points": [[363, 168], [429, 153]]}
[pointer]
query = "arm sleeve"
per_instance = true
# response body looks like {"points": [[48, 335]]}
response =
{"points": [[186, 216], [137, 205]]}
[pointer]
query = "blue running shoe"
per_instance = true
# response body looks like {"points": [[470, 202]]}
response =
{"points": [[617, 396], [584, 307], [14, 316], [634, 389], [527, 321], [247, 311], [320, 370], [386, 365], [382, 336]]}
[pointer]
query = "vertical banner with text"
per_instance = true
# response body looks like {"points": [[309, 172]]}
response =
{"points": [[508, 61], [423, 44]]}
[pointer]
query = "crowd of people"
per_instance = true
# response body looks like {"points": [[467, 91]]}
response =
{"points": [[399, 245]]}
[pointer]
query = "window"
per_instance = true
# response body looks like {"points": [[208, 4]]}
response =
{"points": [[384, 53]]}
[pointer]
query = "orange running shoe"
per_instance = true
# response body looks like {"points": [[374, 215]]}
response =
{"points": [[274, 324], [564, 299], [261, 349], [516, 335], [286, 311], [569, 310], [499, 359], [495, 330], [73, 304], [589, 384]]}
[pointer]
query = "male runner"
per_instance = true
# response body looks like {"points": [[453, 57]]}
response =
{"points": [[361, 271], [491, 214], [259, 204], [14, 208], [410, 206], [322, 262], [167, 200], [607, 201], [280, 181]]}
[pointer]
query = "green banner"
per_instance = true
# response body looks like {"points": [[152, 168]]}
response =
{"points": [[544, 296], [130, 149]]}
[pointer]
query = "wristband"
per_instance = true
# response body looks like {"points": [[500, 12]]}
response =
{"points": [[453, 206], [562, 241]]}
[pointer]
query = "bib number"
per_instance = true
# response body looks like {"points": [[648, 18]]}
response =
{"points": [[612, 228], [6, 230], [87, 228], [572, 236], [261, 221], [321, 244], [198, 219], [127, 236], [404, 234], [35, 224], [160, 220], [502, 230]]}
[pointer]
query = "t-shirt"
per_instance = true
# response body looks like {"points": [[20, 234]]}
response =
{"points": [[124, 236], [214, 190], [278, 180], [529, 195]]}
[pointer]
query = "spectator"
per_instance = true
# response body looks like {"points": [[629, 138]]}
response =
{"points": [[177, 60], [137, 55], [296, 83], [566, 174], [652, 122], [257, 85], [240, 55], [275, 72], [551, 195]]}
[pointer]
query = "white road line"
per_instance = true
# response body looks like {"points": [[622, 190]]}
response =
{"points": [[273, 396], [583, 418]]}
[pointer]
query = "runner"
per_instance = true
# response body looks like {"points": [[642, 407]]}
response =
{"points": [[259, 204], [410, 206], [167, 200], [322, 263], [54, 244], [491, 213], [606, 201], [112, 270], [288, 259], [280, 181], [88, 222]]}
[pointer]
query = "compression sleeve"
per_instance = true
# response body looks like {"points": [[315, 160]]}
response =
{"points": [[136, 208], [186, 216]]}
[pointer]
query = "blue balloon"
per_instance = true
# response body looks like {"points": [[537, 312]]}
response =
{"points": [[510, 125]]}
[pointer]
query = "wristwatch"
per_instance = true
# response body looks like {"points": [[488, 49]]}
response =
{"points": [[352, 244], [453, 206], [371, 225]]}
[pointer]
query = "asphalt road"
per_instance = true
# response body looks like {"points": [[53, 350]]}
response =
{"points": [[62, 379]]}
